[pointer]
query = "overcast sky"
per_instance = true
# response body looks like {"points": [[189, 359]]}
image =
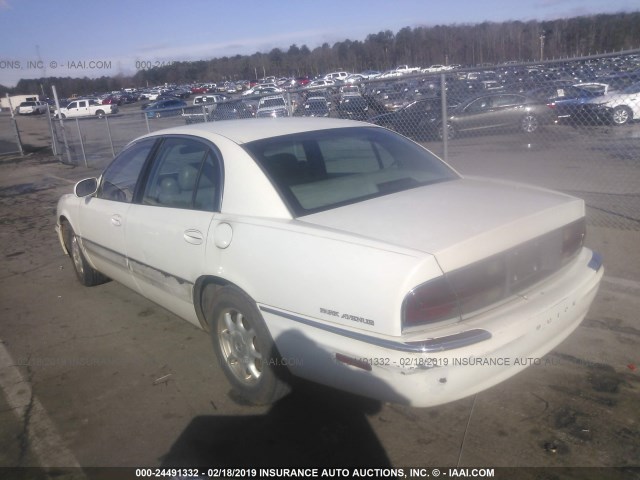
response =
{"points": [[80, 38]]}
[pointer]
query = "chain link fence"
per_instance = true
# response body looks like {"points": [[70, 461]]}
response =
{"points": [[566, 125], [9, 135]]}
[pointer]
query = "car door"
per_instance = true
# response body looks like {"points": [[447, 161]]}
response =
{"points": [[169, 223], [103, 217], [476, 115], [506, 111], [633, 100], [81, 109]]}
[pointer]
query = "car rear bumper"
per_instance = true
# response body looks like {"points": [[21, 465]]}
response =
{"points": [[519, 334]]}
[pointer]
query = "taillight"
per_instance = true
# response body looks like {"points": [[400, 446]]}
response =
{"points": [[430, 302], [481, 283], [573, 236], [489, 281]]}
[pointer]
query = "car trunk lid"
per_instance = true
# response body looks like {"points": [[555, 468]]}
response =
{"points": [[459, 222]]}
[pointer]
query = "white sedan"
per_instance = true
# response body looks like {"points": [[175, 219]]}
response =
{"points": [[618, 106], [336, 251]]}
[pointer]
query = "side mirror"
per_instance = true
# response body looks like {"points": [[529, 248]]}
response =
{"points": [[85, 187]]}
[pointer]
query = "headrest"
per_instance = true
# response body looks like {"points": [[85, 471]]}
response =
{"points": [[169, 185], [187, 177]]}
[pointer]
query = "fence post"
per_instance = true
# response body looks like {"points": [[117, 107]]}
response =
{"points": [[113, 151], [204, 113], [289, 105], [445, 122], [84, 156], [14, 124], [64, 133]]}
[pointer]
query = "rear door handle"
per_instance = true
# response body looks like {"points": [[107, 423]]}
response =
{"points": [[193, 236]]}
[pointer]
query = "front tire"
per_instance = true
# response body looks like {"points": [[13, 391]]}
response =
{"points": [[451, 132], [86, 274], [244, 348], [621, 115]]}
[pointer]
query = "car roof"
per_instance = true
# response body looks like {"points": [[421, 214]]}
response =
{"points": [[248, 130]]}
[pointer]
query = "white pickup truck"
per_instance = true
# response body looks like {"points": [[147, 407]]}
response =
{"points": [[202, 104], [406, 69], [85, 108]]}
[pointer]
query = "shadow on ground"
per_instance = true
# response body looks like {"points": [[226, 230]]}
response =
{"points": [[312, 426]]}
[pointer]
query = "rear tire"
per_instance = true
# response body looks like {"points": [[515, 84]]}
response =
{"points": [[529, 123], [451, 132], [244, 348]]}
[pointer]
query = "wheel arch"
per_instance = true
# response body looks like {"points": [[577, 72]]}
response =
{"points": [[205, 291], [64, 224]]}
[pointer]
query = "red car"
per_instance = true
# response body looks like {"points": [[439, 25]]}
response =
{"points": [[111, 100], [302, 81]]}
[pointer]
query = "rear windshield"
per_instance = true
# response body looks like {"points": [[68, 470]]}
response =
{"points": [[321, 170]]}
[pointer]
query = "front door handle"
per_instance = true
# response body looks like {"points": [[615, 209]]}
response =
{"points": [[116, 220]]}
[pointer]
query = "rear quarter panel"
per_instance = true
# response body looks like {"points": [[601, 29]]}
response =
{"points": [[331, 277]]}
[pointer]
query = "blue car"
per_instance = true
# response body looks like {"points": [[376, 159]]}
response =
{"points": [[165, 108], [568, 100]]}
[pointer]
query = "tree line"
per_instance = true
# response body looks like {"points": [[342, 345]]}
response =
{"points": [[464, 44]]}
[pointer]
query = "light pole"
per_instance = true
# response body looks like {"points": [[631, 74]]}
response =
{"points": [[541, 46]]}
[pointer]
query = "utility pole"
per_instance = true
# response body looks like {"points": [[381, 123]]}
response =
{"points": [[541, 46]]}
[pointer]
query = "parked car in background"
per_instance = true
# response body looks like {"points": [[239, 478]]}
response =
{"points": [[111, 100], [354, 107], [338, 252], [210, 99], [262, 90], [152, 94], [567, 100], [272, 106], [618, 106], [203, 105], [177, 93], [406, 69], [233, 109], [315, 107], [165, 108], [321, 83], [86, 108], [336, 76], [498, 111], [419, 119], [33, 108]]}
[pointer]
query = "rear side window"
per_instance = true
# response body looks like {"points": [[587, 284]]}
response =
{"points": [[184, 174]]}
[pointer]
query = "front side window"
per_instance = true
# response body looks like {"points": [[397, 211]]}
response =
{"points": [[479, 105], [507, 101], [320, 170], [121, 176]]}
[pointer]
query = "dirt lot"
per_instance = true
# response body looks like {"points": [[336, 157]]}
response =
{"points": [[99, 377]]}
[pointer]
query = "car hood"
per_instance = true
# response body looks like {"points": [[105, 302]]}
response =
{"points": [[459, 221]]}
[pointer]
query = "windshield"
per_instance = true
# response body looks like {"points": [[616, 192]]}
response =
{"points": [[321, 170], [272, 102]]}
